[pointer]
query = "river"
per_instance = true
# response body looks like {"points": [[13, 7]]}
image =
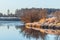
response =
{"points": [[14, 30]]}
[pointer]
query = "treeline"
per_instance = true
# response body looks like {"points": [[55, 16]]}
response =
{"points": [[35, 14], [20, 12], [8, 15], [32, 14]]}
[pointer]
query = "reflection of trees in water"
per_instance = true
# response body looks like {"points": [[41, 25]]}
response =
{"points": [[51, 37], [30, 32], [8, 26]]}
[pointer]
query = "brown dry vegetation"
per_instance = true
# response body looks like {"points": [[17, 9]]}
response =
{"points": [[33, 15], [57, 14]]}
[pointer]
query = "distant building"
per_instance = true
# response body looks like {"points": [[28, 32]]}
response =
{"points": [[8, 11]]}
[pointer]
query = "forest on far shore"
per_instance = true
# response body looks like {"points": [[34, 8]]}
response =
{"points": [[33, 14]]}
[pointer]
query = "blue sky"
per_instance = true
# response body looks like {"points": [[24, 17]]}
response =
{"points": [[18, 4]]}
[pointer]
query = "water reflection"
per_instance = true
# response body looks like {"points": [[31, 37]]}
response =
{"points": [[37, 34], [30, 33], [51, 37], [17, 31]]}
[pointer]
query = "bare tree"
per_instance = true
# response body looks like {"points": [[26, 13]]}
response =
{"points": [[33, 15], [57, 14]]}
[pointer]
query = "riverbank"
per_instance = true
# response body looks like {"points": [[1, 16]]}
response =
{"points": [[38, 27]]}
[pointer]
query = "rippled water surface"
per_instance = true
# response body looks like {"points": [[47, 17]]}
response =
{"points": [[14, 30]]}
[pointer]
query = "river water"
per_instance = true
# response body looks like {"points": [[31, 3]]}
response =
{"points": [[14, 30]]}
